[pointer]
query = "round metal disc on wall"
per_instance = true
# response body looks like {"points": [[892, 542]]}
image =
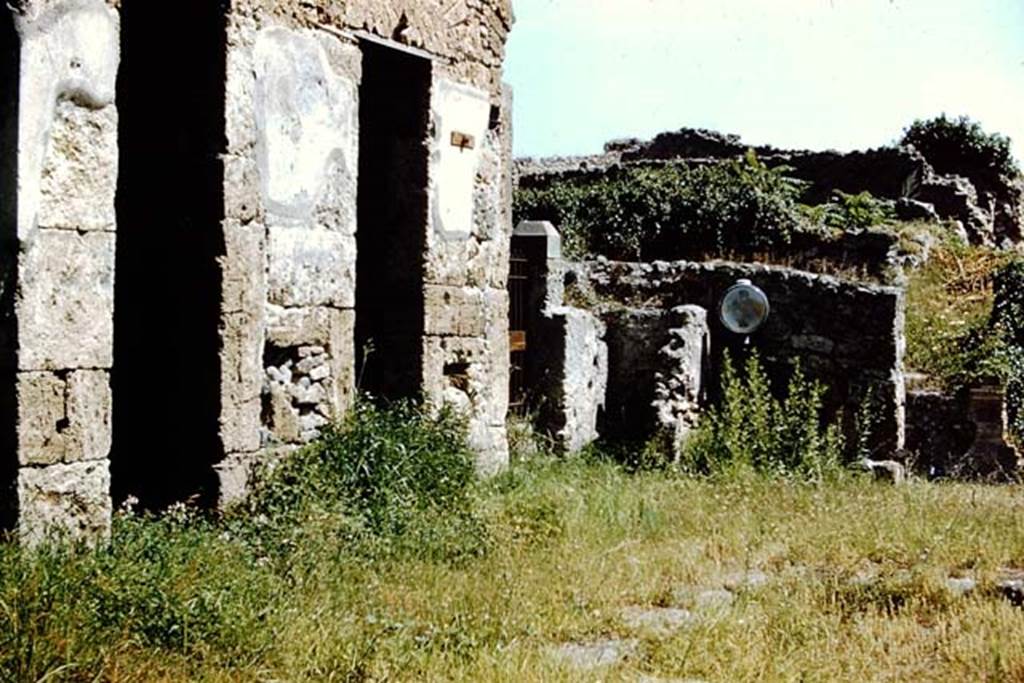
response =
{"points": [[744, 308]]}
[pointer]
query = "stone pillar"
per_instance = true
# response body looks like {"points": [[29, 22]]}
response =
{"points": [[541, 245], [59, 254], [569, 388], [679, 391], [466, 349], [287, 362]]}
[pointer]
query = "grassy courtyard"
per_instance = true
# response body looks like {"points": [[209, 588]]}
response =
{"points": [[723, 579]]}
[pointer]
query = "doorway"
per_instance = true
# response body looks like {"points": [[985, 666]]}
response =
{"points": [[394, 114], [170, 206]]}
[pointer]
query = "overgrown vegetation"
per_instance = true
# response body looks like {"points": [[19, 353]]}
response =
{"points": [[752, 429], [573, 543], [669, 212], [961, 146], [949, 306], [964, 316], [385, 477], [850, 212]]}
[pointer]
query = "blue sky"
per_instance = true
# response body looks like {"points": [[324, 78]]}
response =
{"points": [[840, 74]]}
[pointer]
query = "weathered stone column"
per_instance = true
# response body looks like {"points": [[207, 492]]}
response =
{"points": [[59, 254], [466, 347], [287, 360]]}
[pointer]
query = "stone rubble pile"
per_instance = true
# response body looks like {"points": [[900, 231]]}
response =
{"points": [[296, 395]]}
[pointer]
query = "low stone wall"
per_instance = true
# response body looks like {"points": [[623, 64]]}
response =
{"points": [[635, 337], [849, 336]]}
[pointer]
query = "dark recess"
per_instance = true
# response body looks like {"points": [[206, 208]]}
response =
{"points": [[168, 287], [9, 93], [392, 215]]}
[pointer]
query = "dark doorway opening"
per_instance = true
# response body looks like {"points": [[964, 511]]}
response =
{"points": [[166, 377], [394, 114], [10, 64]]}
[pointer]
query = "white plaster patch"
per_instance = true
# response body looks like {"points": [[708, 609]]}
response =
{"points": [[306, 115], [69, 51], [464, 112], [311, 268]]}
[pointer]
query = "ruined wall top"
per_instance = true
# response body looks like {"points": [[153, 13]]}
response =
{"points": [[470, 34]]}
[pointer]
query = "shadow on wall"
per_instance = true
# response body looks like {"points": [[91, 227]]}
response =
{"points": [[9, 69], [170, 206]]}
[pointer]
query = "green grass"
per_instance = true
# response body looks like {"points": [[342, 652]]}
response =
{"points": [[568, 545]]}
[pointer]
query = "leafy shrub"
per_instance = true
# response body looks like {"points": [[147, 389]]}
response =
{"points": [[852, 211], [669, 212], [385, 473], [961, 146], [753, 429]]}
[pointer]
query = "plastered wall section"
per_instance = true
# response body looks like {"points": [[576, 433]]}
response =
{"points": [[290, 219], [466, 352], [67, 162]]}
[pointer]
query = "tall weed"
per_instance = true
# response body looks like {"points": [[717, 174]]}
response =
{"points": [[752, 429], [387, 478]]}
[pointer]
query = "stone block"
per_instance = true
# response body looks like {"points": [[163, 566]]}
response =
{"points": [[240, 87], [283, 422], [242, 200], [71, 499], [241, 381], [453, 363], [69, 62], [65, 305], [235, 474], [89, 410], [490, 443], [79, 177], [243, 268], [42, 418], [311, 268], [576, 376], [342, 381], [296, 327], [454, 311]]}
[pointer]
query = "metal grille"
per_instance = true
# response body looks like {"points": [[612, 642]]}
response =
{"points": [[517, 290]]}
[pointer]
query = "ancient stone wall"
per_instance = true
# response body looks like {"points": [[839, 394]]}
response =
{"points": [[58, 222], [293, 164], [569, 393], [847, 335], [939, 431], [269, 149]]}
